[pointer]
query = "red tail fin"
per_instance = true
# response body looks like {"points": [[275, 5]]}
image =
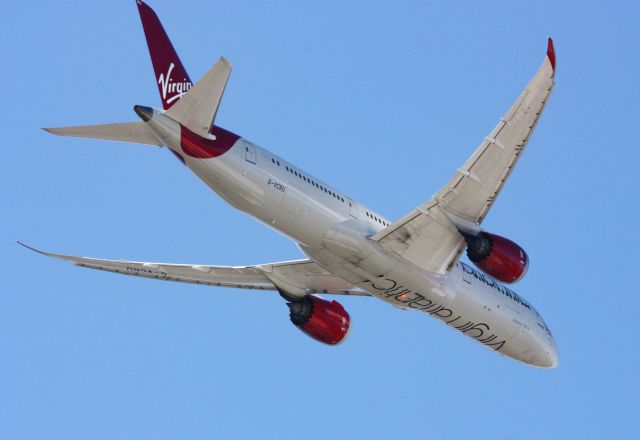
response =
{"points": [[173, 80]]}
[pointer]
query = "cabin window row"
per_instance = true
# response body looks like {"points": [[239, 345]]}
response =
{"points": [[322, 188], [311, 182], [375, 218]]}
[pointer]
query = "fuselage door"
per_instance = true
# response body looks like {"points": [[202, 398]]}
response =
{"points": [[353, 209], [249, 152]]}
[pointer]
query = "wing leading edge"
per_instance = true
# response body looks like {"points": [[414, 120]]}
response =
{"points": [[429, 236], [300, 276]]}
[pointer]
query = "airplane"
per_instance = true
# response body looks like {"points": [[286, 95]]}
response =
{"points": [[412, 263]]}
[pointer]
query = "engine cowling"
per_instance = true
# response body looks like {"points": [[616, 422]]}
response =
{"points": [[497, 256], [325, 321]]}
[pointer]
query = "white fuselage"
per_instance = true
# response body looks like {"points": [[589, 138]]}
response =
{"points": [[333, 230]]}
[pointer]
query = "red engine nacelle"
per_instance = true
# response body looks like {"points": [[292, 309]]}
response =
{"points": [[325, 321], [497, 256]]}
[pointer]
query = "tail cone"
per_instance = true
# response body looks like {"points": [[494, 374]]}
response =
{"points": [[145, 113]]}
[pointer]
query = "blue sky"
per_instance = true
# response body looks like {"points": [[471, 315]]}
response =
{"points": [[382, 100]]}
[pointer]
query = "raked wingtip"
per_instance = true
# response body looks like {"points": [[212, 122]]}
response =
{"points": [[47, 254], [551, 53]]}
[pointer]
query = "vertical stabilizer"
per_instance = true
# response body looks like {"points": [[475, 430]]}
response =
{"points": [[171, 76]]}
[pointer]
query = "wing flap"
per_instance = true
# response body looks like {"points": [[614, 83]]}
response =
{"points": [[425, 237], [306, 275]]}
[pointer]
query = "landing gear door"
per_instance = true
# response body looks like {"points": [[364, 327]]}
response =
{"points": [[353, 209], [249, 152]]}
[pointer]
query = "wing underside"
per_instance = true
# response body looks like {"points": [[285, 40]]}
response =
{"points": [[476, 184], [429, 237], [303, 275]]}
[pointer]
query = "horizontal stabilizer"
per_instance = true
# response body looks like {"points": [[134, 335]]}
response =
{"points": [[198, 106], [136, 132]]}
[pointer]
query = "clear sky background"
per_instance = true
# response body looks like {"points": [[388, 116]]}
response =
{"points": [[384, 100]]}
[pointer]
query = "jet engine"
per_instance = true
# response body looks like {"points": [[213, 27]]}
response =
{"points": [[497, 256], [325, 321]]}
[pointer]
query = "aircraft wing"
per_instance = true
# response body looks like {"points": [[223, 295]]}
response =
{"points": [[472, 190], [429, 236], [300, 276]]}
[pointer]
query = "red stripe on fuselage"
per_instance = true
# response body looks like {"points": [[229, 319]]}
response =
{"points": [[201, 148]]}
